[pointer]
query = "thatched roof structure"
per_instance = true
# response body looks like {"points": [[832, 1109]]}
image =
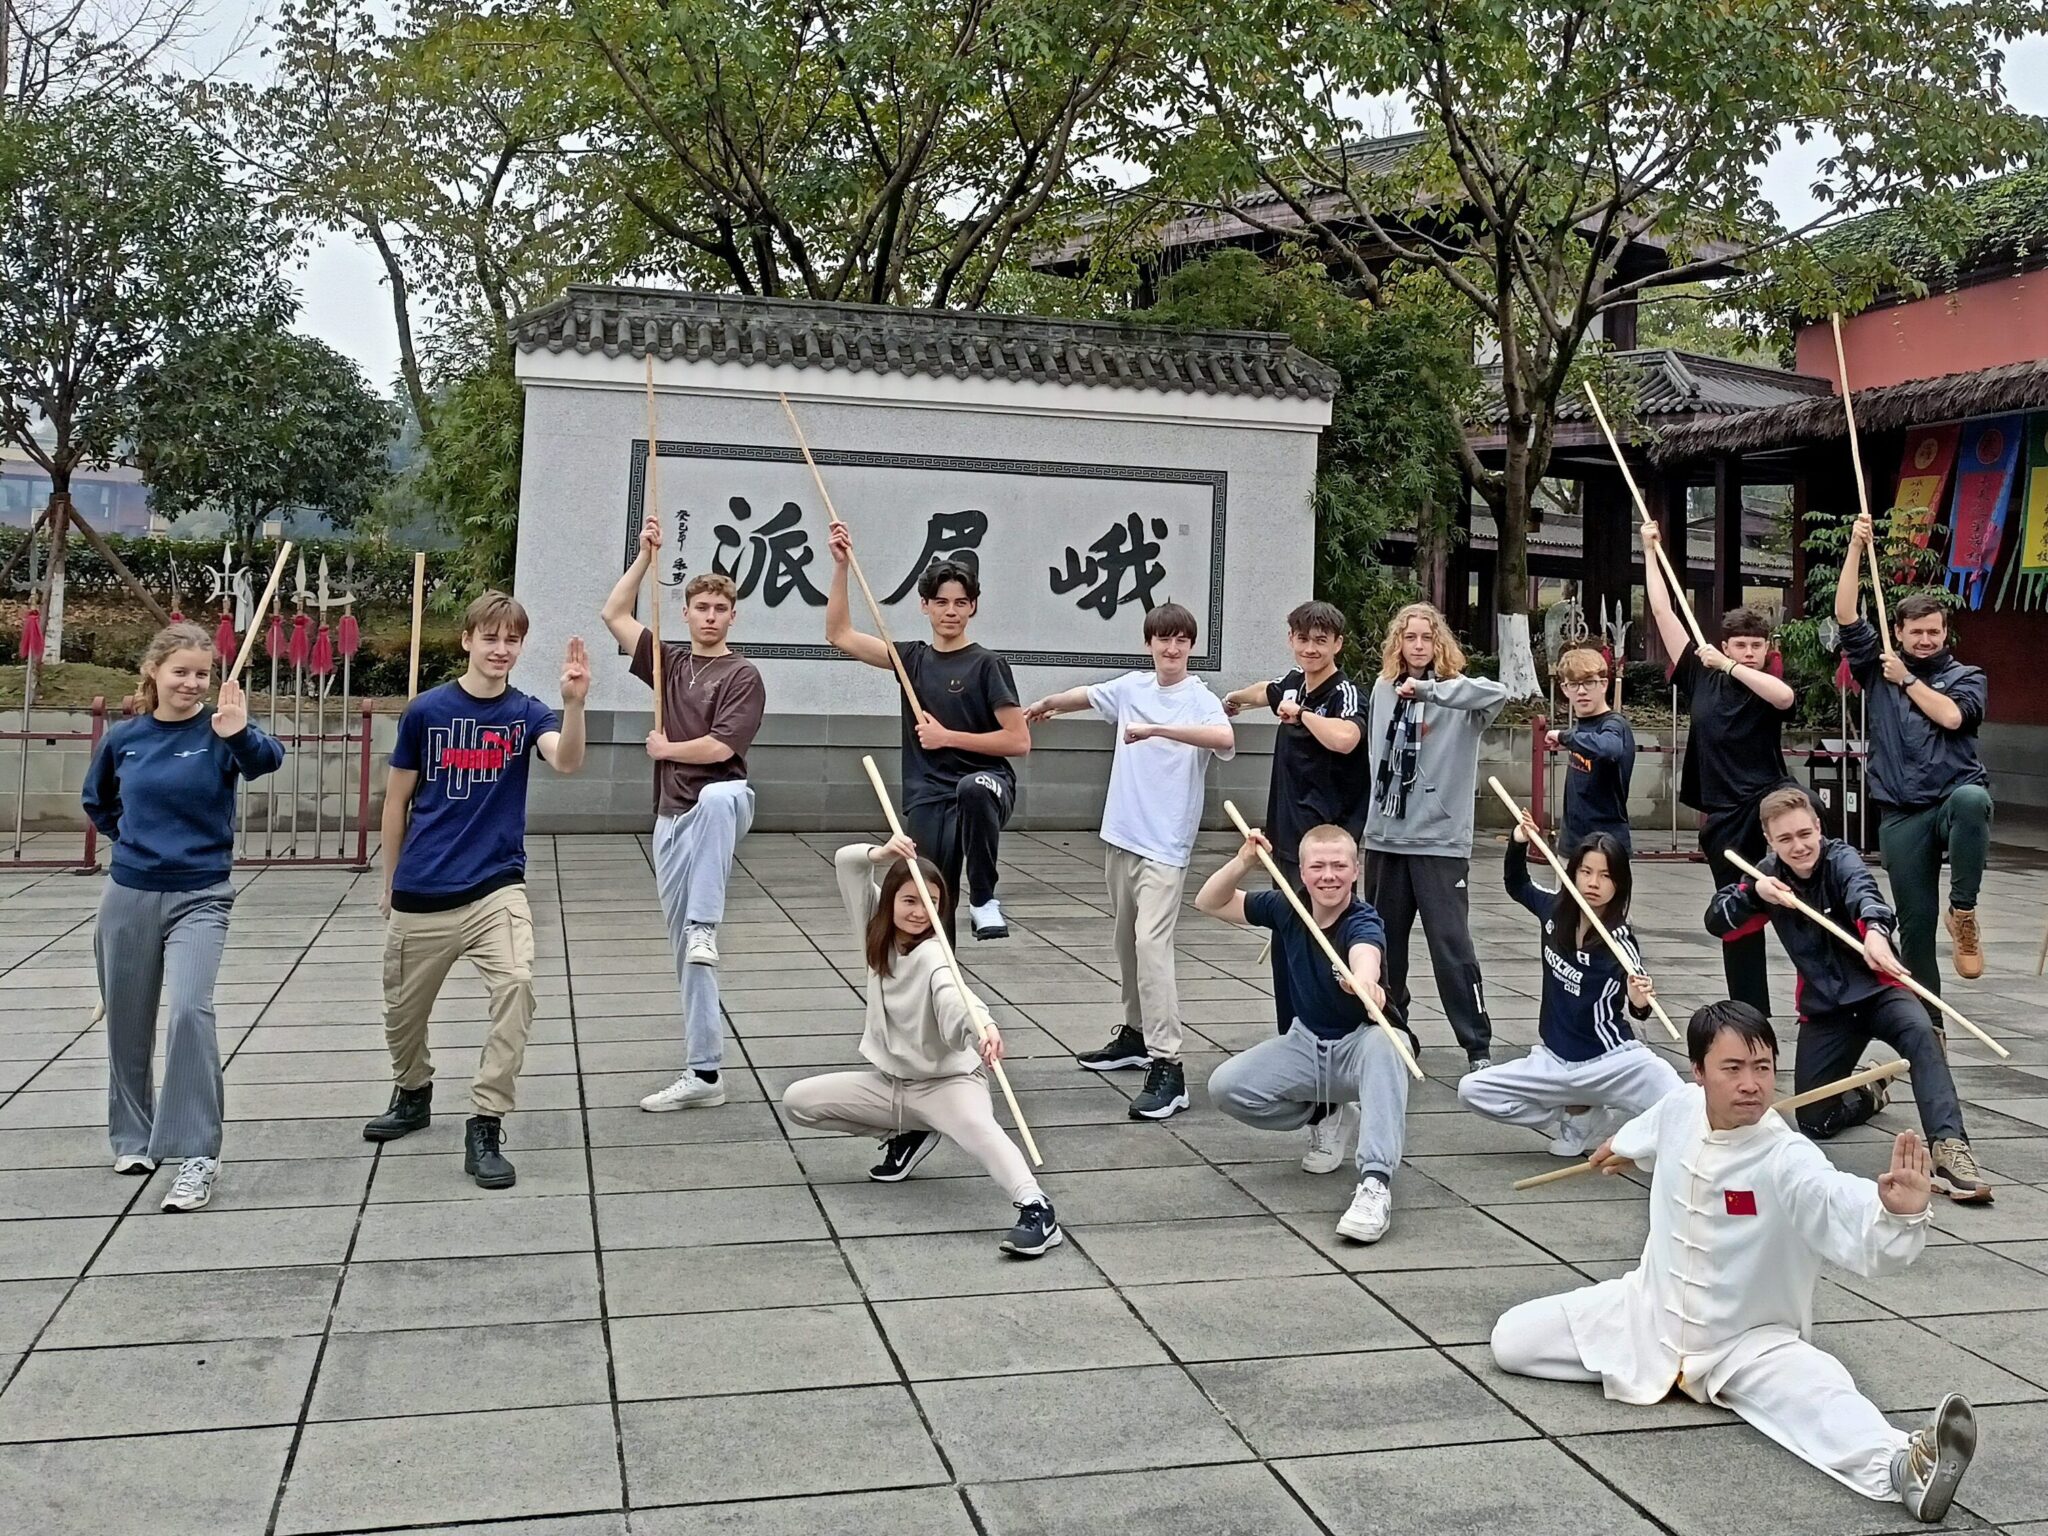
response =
{"points": [[1916, 403]]}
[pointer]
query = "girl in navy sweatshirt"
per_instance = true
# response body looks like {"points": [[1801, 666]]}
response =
{"points": [[161, 787], [1588, 1073]]}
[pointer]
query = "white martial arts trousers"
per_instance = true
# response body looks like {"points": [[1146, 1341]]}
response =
{"points": [[1534, 1090], [1797, 1395]]}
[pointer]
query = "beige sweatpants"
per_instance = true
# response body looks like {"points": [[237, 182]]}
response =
{"points": [[495, 934], [871, 1104], [1144, 906]]}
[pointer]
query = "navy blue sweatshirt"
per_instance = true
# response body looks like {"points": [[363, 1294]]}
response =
{"points": [[1599, 762], [1841, 887], [164, 791], [1915, 763], [1586, 1007]]}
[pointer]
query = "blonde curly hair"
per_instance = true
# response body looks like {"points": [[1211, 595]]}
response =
{"points": [[1449, 659]]}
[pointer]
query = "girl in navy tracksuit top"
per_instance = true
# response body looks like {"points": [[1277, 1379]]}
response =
{"points": [[161, 787], [1588, 1074]]}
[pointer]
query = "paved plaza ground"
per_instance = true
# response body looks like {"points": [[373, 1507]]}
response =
{"points": [[706, 1323]]}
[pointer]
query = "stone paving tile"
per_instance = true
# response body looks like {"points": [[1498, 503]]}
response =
{"points": [[67, 1487], [61, 1394], [1188, 1501]]}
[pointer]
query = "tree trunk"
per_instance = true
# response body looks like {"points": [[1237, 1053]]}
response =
{"points": [[1511, 575], [53, 604]]}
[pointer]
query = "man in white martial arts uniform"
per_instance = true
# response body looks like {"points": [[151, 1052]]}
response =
{"points": [[1743, 1210]]}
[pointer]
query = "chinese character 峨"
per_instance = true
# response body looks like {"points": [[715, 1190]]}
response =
{"points": [[954, 536], [1122, 554], [774, 558]]}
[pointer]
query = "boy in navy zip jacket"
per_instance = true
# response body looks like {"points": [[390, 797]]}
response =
{"points": [[1599, 754], [161, 788], [1843, 1004]]}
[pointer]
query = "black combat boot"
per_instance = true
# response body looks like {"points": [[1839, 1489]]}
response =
{"points": [[481, 1159], [411, 1110]]}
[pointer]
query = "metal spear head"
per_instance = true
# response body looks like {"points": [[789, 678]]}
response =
{"points": [[323, 585], [300, 580]]}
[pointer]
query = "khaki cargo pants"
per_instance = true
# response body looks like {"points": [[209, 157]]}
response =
{"points": [[495, 934]]}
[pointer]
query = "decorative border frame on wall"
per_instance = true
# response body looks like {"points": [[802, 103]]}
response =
{"points": [[1209, 660]]}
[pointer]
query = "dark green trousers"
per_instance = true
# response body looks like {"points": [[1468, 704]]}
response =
{"points": [[1913, 843]]}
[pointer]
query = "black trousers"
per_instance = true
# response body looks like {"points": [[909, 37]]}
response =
{"points": [[1742, 960], [1830, 1044], [964, 832], [1405, 886]]}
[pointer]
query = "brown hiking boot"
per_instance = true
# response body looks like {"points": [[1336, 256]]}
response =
{"points": [[1961, 923], [1956, 1174]]}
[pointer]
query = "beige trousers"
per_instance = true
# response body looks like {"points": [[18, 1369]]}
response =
{"points": [[1144, 905], [495, 934], [871, 1104]]}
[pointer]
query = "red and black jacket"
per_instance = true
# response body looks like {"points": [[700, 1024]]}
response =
{"points": [[1841, 887]]}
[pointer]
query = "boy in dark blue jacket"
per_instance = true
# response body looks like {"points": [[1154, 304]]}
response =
{"points": [[1599, 754], [161, 788]]}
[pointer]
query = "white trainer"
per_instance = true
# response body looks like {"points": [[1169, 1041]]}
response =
{"points": [[193, 1186], [1330, 1140], [134, 1162], [1372, 1207], [700, 945], [687, 1092], [987, 920], [1573, 1136]]}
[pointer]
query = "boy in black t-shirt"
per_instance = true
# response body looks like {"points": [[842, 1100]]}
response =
{"points": [[958, 786], [1734, 753]]}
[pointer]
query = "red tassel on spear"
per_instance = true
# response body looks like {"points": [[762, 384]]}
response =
{"points": [[321, 663], [351, 638], [224, 636], [1845, 680], [32, 635], [301, 646], [273, 642]]}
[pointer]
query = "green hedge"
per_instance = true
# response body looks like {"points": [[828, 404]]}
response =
{"points": [[383, 572]]}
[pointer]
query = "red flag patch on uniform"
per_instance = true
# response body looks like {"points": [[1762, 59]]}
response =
{"points": [[1741, 1202]]}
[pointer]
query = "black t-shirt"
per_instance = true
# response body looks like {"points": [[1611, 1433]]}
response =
{"points": [[1735, 751], [962, 690], [1311, 784]]}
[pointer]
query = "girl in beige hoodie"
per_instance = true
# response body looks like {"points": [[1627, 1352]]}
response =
{"points": [[926, 1041]]}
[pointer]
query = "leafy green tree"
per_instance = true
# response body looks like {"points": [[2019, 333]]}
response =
{"points": [[257, 421], [470, 476]]}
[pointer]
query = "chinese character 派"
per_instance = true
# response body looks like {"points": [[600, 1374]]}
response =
{"points": [[774, 558], [1123, 553], [952, 536]]}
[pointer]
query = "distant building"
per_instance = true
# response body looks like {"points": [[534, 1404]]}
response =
{"points": [[113, 500]]}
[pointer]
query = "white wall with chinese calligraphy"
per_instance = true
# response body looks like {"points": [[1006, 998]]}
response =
{"points": [[1080, 508]]}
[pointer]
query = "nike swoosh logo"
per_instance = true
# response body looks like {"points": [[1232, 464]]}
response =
{"points": [[195, 752]]}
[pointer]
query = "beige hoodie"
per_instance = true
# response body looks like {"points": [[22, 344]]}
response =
{"points": [[917, 1022]]}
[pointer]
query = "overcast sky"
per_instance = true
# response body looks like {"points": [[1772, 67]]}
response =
{"points": [[347, 306]]}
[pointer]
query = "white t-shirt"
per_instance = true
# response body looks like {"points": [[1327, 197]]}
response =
{"points": [[1155, 787]]}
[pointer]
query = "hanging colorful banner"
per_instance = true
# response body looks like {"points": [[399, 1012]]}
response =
{"points": [[1923, 476], [2030, 560], [1984, 475]]}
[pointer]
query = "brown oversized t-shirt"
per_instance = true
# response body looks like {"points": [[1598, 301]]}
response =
{"points": [[719, 696]]}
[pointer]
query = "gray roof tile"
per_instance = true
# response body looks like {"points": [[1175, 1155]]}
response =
{"points": [[1682, 385]]}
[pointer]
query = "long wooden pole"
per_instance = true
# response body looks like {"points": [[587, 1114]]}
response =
{"points": [[1784, 1106], [1343, 965], [262, 607], [874, 608], [1565, 882], [1643, 511], [1884, 624], [653, 577], [1856, 944], [938, 937], [419, 598]]}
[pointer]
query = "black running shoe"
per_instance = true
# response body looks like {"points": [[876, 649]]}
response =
{"points": [[1126, 1048], [1036, 1230], [1165, 1093], [901, 1153]]}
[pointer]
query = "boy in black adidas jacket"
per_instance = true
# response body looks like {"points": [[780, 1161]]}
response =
{"points": [[1844, 1003]]}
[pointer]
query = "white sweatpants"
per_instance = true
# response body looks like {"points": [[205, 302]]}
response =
{"points": [[1793, 1393], [693, 857], [1629, 1079]]}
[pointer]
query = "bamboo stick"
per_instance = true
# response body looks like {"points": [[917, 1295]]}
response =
{"points": [[419, 597], [262, 607], [1671, 581], [1884, 623], [652, 506]]}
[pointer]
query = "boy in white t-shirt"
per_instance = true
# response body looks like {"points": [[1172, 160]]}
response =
{"points": [[1168, 727]]}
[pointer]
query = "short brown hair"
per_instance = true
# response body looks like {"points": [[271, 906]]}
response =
{"points": [[1317, 618], [1784, 802], [1745, 623], [1918, 605], [1170, 619], [1580, 664], [1328, 832], [495, 608], [715, 582]]}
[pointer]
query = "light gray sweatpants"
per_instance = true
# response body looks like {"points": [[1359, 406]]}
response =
{"points": [[1628, 1079], [1277, 1084], [143, 941], [693, 855]]}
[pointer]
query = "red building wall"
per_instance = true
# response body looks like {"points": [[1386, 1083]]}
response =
{"points": [[1977, 327]]}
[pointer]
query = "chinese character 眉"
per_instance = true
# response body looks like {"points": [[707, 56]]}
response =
{"points": [[1123, 554], [773, 558], [954, 536]]}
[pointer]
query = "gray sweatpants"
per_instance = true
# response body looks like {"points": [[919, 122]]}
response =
{"points": [[693, 855], [143, 941], [1277, 1084]]}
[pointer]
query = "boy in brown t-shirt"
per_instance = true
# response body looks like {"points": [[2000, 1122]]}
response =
{"points": [[712, 700]]}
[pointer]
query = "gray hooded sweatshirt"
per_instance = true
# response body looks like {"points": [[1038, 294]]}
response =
{"points": [[1455, 713]]}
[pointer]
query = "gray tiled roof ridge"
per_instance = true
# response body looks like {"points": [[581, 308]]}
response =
{"points": [[879, 338]]}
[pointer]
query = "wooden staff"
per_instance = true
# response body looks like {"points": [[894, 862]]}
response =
{"points": [[419, 597], [1884, 625], [652, 506], [1565, 882], [262, 606], [931, 908], [1343, 966], [874, 608], [1848, 1084], [1856, 944], [1671, 580]]}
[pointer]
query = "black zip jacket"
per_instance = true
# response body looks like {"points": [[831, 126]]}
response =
{"points": [[1841, 887], [1914, 763]]}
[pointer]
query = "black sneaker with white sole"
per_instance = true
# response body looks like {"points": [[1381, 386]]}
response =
{"points": [[1126, 1049], [901, 1153], [1036, 1230], [1164, 1095]]}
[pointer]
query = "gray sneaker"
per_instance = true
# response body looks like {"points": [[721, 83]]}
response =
{"points": [[193, 1186], [1926, 1469]]}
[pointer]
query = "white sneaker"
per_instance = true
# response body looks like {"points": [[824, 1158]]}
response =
{"points": [[687, 1092], [194, 1185], [987, 920], [1372, 1207], [1330, 1140], [134, 1162], [1574, 1135], [700, 945]]}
